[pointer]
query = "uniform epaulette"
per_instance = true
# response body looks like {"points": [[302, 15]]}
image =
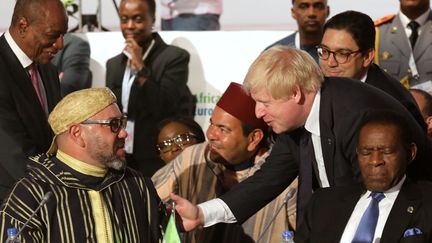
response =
{"points": [[384, 19]]}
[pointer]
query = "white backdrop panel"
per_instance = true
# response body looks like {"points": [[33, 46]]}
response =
{"points": [[217, 58]]}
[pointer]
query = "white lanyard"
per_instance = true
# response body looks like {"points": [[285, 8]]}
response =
{"points": [[128, 79], [297, 40], [412, 66]]}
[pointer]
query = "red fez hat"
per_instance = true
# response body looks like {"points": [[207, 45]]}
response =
{"points": [[239, 104]]}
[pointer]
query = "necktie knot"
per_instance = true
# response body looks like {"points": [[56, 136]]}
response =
{"points": [[377, 196], [413, 25]]}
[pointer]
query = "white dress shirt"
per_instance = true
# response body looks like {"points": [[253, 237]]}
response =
{"points": [[217, 211], [421, 20], [22, 57], [385, 206]]}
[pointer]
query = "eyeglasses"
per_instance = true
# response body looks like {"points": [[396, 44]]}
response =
{"points": [[115, 124], [180, 140], [341, 56]]}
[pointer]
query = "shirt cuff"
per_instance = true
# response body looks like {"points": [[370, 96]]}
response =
{"points": [[216, 211]]}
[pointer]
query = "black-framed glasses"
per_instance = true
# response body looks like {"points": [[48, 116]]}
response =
{"points": [[341, 56], [180, 141], [115, 124]]}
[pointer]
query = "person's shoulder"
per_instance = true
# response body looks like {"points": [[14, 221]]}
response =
{"points": [[177, 51], [384, 20], [336, 190], [286, 41], [132, 173], [116, 58]]}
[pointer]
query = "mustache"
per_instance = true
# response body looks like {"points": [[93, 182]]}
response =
{"points": [[120, 143], [214, 144]]}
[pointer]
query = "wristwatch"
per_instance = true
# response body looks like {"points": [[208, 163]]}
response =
{"points": [[144, 72]]}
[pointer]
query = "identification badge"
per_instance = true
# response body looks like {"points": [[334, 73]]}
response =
{"points": [[130, 127]]}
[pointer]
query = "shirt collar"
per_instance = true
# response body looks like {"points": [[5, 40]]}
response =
{"points": [[80, 166], [312, 122], [392, 192], [421, 20], [22, 57], [363, 79]]}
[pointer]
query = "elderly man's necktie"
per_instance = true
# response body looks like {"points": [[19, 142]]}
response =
{"points": [[34, 76], [366, 229]]}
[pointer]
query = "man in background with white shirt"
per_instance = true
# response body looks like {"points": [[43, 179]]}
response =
{"points": [[403, 209]]}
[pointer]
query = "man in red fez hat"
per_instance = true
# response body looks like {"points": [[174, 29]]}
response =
{"points": [[237, 147]]}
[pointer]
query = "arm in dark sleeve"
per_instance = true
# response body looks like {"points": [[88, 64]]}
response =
{"points": [[16, 144], [276, 174], [75, 65], [160, 94]]}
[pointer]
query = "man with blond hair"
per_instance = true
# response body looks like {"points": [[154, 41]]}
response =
{"points": [[317, 122]]}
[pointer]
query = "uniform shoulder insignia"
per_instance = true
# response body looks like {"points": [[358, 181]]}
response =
{"points": [[384, 19]]}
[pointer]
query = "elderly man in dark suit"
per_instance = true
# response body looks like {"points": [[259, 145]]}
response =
{"points": [[347, 50], [317, 121], [29, 84], [387, 206]]}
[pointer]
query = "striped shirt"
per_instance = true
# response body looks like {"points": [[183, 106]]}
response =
{"points": [[198, 179], [87, 205]]}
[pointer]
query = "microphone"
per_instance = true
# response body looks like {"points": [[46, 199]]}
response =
{"points": [[288, 196], [43, 202]]}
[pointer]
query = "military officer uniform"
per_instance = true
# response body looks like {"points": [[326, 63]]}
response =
{"points": [[393, 49]]}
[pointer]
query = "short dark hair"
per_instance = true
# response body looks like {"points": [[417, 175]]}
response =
{"points": [[185, 121], [151, 5], [293, 1], [265, 141], [427, 109], [359, 25], [390, 117], [32, 10]]}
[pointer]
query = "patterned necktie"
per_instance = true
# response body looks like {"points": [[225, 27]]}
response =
{"points": [[366, 229], [414, 32], [36, 82]]}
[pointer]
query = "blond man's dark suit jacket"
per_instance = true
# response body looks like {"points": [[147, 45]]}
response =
{"points": [[383, 81], [330, 209], [343, 104], [162, 95], [24, 128]]}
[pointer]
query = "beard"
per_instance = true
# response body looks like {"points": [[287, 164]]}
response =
{"points": [[105, 154]]}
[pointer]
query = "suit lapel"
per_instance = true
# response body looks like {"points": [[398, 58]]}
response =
{"points": [[399, 38], [346, 208], [21, 78], [406, 205], [327, 138], [424, 39], [51, 85]]}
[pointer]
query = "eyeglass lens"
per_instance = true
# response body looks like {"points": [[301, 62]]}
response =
{"points": [[117, 123], [180, 141]]}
